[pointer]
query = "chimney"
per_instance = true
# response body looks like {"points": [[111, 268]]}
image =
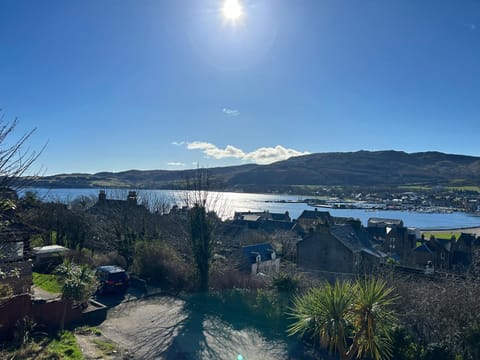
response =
{"points": [[132, 197]]}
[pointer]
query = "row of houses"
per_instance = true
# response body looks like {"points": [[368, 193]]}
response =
{"points": [[343, 245]]}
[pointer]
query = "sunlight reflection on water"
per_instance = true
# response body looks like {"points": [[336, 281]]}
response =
{"points": [[226, 203]]}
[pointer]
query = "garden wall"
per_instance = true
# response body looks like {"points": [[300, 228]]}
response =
{"points": [[47, 313]]}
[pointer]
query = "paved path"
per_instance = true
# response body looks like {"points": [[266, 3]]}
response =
{"points": [[39, 293]]}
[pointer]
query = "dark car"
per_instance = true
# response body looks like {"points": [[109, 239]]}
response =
{"points": [[111, 279]]}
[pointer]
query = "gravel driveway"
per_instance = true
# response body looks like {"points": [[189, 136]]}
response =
{"points": [[168, 328]]}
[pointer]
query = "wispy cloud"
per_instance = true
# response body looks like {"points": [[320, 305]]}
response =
{"points": [[178, 143], [231, 112], [470, 26], [175, 163], [263, 155]]}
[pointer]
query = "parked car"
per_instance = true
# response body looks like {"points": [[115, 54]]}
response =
{"points": [[111, 279]]}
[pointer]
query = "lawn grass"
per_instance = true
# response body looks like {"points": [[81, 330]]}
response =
{"points": [[47, 282], [445, 235]]}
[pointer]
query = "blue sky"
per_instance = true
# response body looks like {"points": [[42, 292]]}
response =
{"points": [[115, 85]]}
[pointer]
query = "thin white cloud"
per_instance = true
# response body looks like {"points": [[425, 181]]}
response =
{"points": [[268, 155], [178, 143], [215, 152], [230, 112], [263, 155], [175, 163]]}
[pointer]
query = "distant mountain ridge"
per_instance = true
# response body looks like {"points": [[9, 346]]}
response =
{"points": [[360, 168]]}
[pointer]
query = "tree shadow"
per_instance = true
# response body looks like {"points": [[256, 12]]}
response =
{"points": [[217, 329], [202, 328]]}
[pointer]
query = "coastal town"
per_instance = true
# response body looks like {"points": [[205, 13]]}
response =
{"points": [[239, 180], [252, 249], [438, 199]]}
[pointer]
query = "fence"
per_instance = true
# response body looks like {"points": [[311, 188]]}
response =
{"points": [[48, 313]]}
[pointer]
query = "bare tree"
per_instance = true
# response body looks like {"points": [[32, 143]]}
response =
{"points": [[287, 242], [202, 218], [15, 157]]}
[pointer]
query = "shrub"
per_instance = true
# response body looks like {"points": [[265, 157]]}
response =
{"points": [[23, 331], [222, 279], [109, 258], [158, 262], [285, 282]]}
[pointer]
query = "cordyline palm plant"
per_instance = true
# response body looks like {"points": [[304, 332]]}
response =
{"points": [[78, 284], [352, 319]]}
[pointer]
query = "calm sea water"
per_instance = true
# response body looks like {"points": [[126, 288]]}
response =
{"points": [[226, 203]]}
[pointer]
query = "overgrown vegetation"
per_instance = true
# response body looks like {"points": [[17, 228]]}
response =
{"points": [[42, 346], [64, 346], [159, 263], [106, 347], [440, 317]]}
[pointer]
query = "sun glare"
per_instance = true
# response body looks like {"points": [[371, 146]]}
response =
{"points": [[232, 10]]}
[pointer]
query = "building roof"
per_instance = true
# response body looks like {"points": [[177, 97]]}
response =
{"points": [[251, 217], [468, 239], [250, 252], [315, 214], [273, 225], [280, 216], [15, 232], [445, 244], [104, 205], [50, 249], [384, 222], [262, 215], [424, 248], [355, 239]]}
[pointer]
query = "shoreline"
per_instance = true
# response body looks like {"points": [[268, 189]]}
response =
{"points": [[468, 230]]}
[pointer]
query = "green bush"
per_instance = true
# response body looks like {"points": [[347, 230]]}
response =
{"points": [[109, 258], [159, 263], [285, 282]]}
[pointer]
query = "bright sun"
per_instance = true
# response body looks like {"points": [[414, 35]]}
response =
{"points": [[232, 10]]}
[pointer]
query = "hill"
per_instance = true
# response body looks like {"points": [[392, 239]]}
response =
{"points": [[361, 168]]}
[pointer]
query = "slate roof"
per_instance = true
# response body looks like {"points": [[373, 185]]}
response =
{"points": [[261, 215], [384, 222], [250, 252], [469, 239], [272, 225], [16, 232], [423, 249], [356, 240], [445, 244], [251, 217], [315, 214], [280, 216], [378, 232]]}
